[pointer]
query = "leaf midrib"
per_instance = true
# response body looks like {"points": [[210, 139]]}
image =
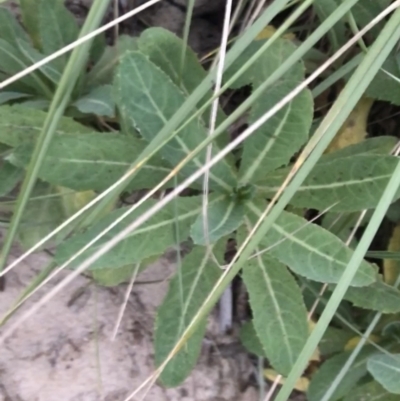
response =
{"points": [[329, 186], [275, 302]]}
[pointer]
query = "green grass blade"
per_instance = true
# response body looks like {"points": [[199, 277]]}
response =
{"points": [[58, 105]]}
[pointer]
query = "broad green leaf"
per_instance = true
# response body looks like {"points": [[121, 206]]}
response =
{"points": [[16, 86], [97, 50], [366, 10], [98, 101], [378, 296], [112, 277], [42, 215], [276, 141], [147, 98], [385, 87], [19, 125], [311, 290], [50, 70], [251, 73], [5, 97], [347, 184], [336, 35], [36, 103], [223, 218], [103, 71], [326, 374], [10, 29], [385, 368], [381, 145], [92, 161], [371, 391], [13, 61], [392, 330], [309, 250], [334, 340], [9, 177], [186, 294], [30, 19], [57, 27], [279, 314], [249, 338], [152, 238], [165, 50]]}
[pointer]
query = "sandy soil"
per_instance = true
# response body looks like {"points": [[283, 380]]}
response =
{"points": [[65, 351]]}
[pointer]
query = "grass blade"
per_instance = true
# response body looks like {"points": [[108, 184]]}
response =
{"points": [[57, 108]]}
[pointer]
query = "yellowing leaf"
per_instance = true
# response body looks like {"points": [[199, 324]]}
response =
{"points": [[316, 356], [354, 130], [301, 384], [269, 30], [391, 267], [352, 343], [73, 201]]}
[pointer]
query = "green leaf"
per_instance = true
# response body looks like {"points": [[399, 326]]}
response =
{"points": [[13, 61], [381, 145], [309, 250], [5, 97], [276, 141], [334, 340], [366, 10], [58, 28], [392, 330], [98, 101], [385, 368], [347, 184], [98, 48], [336, 35], [103, 71], [152, 238], [223, 218], [164, 49], [9, 177], [36, 103], [326, 374], [371, 391], [10, 29], [92, 161], [187, 291], [384, 87], [41, 216], [378, 296], [50, 70], [19, 125], [147, 99], [250, 340], [279, 314], [30, 19], [112, 277]]}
